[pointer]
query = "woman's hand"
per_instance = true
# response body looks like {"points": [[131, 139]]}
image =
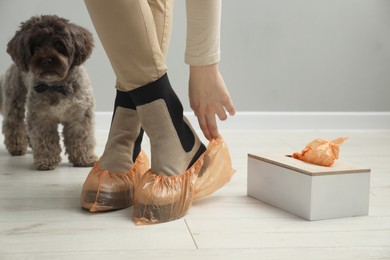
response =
{"points": [[209, 97]]}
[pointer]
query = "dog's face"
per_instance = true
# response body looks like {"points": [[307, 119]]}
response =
{"points": [[49, 46]]}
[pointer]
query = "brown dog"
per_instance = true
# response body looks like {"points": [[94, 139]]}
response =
{"points": [[49, 86]]}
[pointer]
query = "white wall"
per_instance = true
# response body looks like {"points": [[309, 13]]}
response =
{"points": [[277, 55]]}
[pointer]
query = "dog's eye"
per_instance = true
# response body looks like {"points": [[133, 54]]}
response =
{"points": [[60, 47]]}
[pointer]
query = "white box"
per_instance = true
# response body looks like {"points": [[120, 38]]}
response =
{"points": [[307, 190]]}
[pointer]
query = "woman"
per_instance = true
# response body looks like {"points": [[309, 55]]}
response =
{"points": [[135, 35]]}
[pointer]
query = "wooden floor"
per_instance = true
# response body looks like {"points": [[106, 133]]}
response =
{"points": [[40, 217]]}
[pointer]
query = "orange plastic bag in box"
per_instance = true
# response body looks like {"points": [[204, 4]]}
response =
{"points": [[320, 152]]}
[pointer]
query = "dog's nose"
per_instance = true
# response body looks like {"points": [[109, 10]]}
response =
{"points": [[47, 61]]}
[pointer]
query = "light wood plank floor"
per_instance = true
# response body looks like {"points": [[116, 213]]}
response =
{"points": [[40, 217]]}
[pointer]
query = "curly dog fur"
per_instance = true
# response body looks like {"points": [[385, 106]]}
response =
{"points": [[48, 51]]}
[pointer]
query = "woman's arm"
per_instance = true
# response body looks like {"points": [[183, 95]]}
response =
{"points": [[207, 90]]}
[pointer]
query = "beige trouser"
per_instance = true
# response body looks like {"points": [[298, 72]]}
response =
{"points": [[135, 35]]}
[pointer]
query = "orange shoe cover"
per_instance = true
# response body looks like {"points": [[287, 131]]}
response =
{"points": [[103, 190], [160, 199], [320, 152]]}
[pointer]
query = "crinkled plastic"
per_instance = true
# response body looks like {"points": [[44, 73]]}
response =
{"points": [[320, 152], [160, 199], [104, 190]]}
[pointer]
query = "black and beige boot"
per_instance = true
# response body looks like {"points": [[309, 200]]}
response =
{"points": [[174, 145], [164, 192], [110, 183]]}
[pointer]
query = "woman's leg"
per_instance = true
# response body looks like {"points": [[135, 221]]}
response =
{"points": [[127, 31], [162, 11], [135, 60]]}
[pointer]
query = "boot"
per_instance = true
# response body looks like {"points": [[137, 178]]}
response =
{"points": [[110, 184], [174, 144], [175, 151]]}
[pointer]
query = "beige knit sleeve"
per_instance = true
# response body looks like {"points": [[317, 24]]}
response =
{"points": [[203, 32]]}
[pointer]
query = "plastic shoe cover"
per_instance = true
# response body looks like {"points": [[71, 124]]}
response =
{"points": [[104, 190], [217, 169], [160, 199], [320, 152]]}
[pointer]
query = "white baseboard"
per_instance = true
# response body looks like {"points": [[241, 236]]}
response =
{"points": [[287, 121]]}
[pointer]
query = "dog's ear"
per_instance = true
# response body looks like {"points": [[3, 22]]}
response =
{"points": [[83, 43], [18, 50]]}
